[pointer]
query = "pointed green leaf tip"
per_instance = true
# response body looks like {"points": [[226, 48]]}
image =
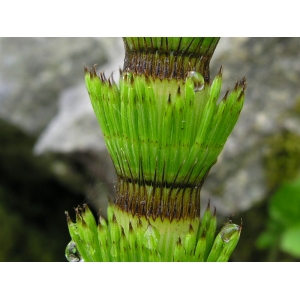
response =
{"points": [[225, 243]]}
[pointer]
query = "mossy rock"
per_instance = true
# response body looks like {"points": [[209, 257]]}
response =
{"points": [[282, 159]]}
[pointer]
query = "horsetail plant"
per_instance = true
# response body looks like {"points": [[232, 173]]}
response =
{"points": [[164, 129]]}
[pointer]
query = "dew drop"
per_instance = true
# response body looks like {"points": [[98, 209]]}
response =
{"points": [[228, 231], [197, 79], [72, 254], [151, 238]]}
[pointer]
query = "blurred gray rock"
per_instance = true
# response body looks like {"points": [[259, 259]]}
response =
{"points": [[75, 130], [42, 91], [74, 127], [272, 69], [33, 72]]}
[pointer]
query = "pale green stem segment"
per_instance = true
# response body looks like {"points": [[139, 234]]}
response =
{"points": [[142, 241]]}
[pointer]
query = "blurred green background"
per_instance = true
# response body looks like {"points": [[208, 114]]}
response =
{"points": [[53, 158]]}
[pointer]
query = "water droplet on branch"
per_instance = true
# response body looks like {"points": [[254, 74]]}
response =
{"points": [[197, 79], [72, 254], [228, 232], [151, 237]]}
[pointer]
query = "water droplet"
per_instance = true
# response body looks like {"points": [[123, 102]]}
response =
{"points": [[228, 231], [72, 254], [197, 79], [151, 237]]}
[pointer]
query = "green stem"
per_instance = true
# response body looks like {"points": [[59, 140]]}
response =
{"points": [[164, 129]]}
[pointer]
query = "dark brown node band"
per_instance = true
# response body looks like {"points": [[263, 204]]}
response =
{"points": [[158, 62]]}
